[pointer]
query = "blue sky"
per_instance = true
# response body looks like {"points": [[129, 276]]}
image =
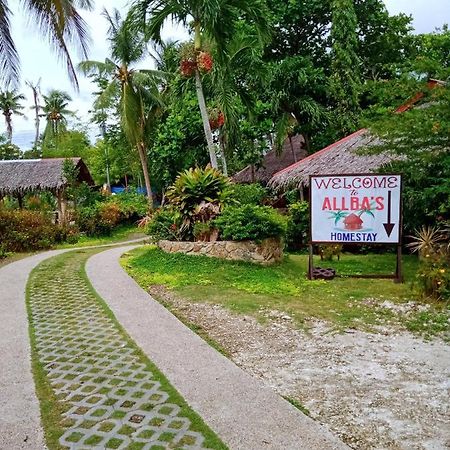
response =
{"points": [[39, 62]]}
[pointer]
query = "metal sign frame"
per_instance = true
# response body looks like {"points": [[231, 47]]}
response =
{"points": [[397, 276]]}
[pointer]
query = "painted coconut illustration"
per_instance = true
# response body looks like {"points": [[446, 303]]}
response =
{"points": [[353, 222]]}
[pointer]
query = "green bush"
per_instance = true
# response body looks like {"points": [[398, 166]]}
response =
{"points": [[164, 224], [98, 219], [297, 226], [25, 231], [433, 276], [250, 222], [249, 194], [132, 206]]}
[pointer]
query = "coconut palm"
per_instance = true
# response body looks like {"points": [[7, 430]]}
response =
{"points": [[212, 20], [58, 20], [56, 113], [35, 88], [10, 105], [140, 99]]}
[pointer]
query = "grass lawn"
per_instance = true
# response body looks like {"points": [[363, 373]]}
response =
{"points": [[119, 234], [251, 289]]}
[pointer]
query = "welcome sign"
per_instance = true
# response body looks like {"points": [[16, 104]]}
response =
{"points": [[360, 209]]}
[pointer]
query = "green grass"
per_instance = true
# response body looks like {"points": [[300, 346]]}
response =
{"points": [[52, 408], [250, 289], [119, 234], [12, 257]]}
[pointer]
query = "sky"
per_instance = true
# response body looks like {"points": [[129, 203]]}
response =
{"points": [[38, 62]]}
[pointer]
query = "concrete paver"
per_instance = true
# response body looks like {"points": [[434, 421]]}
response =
{"points": [[19, 408], [112, 399]]}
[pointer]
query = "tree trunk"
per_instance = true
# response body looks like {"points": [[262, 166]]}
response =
{"points": [[143, 158], [307, 142], [222, 153], [292, 148], [205, 119], [8, 128], [36, 120]]}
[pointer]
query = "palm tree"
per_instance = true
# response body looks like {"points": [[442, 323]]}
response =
{"points": [[58, 20], [140, 99], [35, 88], [212, 20], [56, 113], [10, 105]]}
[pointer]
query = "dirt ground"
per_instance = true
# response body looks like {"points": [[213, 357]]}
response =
{"points": [[384, 390]]}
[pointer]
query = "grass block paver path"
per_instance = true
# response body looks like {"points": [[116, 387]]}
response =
{"points": [[97, 390]]}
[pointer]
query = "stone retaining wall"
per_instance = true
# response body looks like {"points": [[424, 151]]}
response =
{"points": [[267, 252]]}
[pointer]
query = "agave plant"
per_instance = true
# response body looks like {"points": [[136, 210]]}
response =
{"points": [[196, 191], [427, 241]]}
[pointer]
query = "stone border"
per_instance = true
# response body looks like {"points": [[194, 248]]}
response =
{"points": [[269, 251]]}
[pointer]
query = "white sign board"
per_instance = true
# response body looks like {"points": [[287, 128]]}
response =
{"points": [[355, 209]]}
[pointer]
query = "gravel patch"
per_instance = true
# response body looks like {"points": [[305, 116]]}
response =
{"points": [[384, 390]]}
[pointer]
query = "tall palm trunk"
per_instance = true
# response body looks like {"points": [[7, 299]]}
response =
{"points": [[36, 114], [9, 129], [148, 187], [205, 120], [222, 140]]}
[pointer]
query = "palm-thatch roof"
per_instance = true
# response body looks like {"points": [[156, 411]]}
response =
{"points": [[273, 161], [18, 177], [341, 157]]}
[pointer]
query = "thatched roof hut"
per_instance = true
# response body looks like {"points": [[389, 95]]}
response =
{"points": [[19, 177], [341, 157], [273, 162]]}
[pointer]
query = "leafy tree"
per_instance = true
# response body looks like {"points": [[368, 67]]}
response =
{"points": [[140, 100], [10, 105], [8, 150], [58, 21], [345, 80], [71, 143], [213, 21], [178, 141], [421, 136]]}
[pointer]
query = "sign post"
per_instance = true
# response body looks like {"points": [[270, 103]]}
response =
{"points": [[356, 209]]}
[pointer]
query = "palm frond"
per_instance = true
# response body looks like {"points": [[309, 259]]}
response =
{"points": [[10, 65], [60, 21]]}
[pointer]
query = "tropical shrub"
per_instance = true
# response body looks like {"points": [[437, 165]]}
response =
{"points": [[327, 251], [250, 222], [98, 219], [433, 276], [132, 206], [197, 189], [24, 231], [163, 224], [297, 226], [249, 194]]}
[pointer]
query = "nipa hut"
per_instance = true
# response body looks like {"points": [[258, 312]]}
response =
{"points": [[20, 177], [273, 162], [343, 156]]}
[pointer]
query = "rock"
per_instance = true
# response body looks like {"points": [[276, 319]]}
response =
{"points": [[267, 252]]}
